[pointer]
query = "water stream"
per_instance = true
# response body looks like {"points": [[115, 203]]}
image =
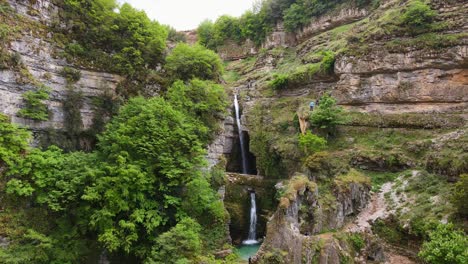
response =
{"points": [[241, 136], [252, 238]]}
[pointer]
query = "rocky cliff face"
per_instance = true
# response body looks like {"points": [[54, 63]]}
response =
{"points": [[293, 231], [38, 53]]}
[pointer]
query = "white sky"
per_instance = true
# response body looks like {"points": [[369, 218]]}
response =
{"points": [[187, 14]]}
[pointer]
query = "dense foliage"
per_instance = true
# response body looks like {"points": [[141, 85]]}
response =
{"points": [[132, 196], [126, 41], [418, 16], [257, 23], [311, 143], [187, 62], [446, 245], [204, 101]]}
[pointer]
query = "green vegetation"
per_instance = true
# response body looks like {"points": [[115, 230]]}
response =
{"points": [[310, 143], [298, 184], [304, 74], [446, 245], [125, 197], [13, 142], [70, 74], [418, 16], [205, 101], [257, 23], [406, 120], [460, 196], [352, 176], [188, 62], [357, 241], [126, 42], [327, 115], [35, 108]]}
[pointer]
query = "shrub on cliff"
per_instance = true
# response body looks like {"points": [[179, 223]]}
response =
{"points": [[460, 196], [279, 81], [327, 115], [310, 143], [446, 245], [187, 62], [35, 108], [125, 42], [418, 16]]}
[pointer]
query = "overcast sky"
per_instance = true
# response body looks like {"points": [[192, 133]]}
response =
{"points": [[187, 14]]}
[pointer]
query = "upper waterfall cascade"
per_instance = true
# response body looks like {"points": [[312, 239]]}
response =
{"points": [[241, 136]]}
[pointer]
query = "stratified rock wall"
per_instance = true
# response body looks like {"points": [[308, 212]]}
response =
{"points": [[39, 56], [294, 231]]}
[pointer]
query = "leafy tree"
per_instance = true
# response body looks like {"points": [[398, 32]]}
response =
{"points": [[188, 62], [253, 26], [203, 100], [295, 17], [205, 34], [226, 27], [131, 196], [310, 143], [446, 245], [150, 151], [327, 115], [180, 244], [460, 195]]}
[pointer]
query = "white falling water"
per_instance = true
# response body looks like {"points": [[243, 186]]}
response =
{"points": [[241, 136], [252, 238]]}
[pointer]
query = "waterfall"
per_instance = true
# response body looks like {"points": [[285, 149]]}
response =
{"points": [[253, 222], [241, 136]]}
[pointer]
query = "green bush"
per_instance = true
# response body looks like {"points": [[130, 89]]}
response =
{"points": [[181, 244], [327, 115], [357, 241], [35, 108], [205, 34], [187, 62], [70, 74], [446, 245], [459, 196], [310, 143], [280, 81], [418, 16], [328, 62]]}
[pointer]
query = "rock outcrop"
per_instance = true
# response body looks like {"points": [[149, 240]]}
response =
{"points": [[38, 54], [294, 228]]}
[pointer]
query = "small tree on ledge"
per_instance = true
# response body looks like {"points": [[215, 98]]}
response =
{"points": [[327, 115]]}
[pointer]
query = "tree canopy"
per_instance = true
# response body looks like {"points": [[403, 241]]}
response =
{"points": [[187, 62]]}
